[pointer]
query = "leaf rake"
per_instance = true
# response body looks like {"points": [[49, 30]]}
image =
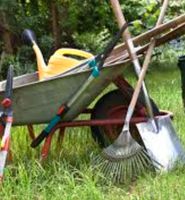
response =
{"points": [[126, 158]]}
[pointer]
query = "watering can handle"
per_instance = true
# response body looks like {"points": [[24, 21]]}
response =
{"points": [[73, 52]]}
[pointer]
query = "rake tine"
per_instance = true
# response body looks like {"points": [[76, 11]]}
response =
{"points": [[140, 164], [99, 161], [118, 172], [105, 168], [122, 172], [111, 171], [114, 167], [145, 159], [127, 163]]}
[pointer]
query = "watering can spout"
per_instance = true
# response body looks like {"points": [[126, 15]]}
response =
{"points": [[40, 61], [28, 36]]}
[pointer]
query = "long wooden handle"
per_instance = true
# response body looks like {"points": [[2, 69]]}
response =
{"points": [[122, 54], [145, 37], [132, 53], [126, 35], [147, 59], [120, 18]]}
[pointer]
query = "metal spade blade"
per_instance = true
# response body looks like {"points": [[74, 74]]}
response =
{"points": [[164, 147]]}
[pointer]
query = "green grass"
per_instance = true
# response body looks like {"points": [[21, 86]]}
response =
{"points": [[67, 173]]}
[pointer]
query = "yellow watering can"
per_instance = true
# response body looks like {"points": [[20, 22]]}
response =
{"points": [[61, 61]]}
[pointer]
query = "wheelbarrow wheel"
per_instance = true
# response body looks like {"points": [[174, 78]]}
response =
{"points": [[114, 105]]}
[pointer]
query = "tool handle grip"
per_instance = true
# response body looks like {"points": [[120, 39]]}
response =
{"points": [[28, 36], [110, 46], [46, 131], [9, 83], [39, 139], [54, 121]]}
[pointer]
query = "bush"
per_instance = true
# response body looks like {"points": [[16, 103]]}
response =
{"points": [[91, 41], [19, 65]]}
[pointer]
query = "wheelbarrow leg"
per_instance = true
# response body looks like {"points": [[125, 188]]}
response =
{"points": [[46, 146], [47, 143], [31, 131], [60, 138]]}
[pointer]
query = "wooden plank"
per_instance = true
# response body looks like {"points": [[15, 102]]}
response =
{"points": [[145, 37]]}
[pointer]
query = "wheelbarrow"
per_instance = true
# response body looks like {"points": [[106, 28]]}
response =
{"points": [[36, 101]]}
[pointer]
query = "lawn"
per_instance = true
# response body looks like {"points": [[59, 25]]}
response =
{"points": [[68, 175]]}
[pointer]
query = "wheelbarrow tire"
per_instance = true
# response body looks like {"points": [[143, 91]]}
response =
{"points": [[101, 110]]}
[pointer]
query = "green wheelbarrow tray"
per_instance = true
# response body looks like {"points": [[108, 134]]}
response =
{"points": [[36, 102]]}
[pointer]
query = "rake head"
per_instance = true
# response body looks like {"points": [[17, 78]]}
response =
{"points": [[124, 160]]}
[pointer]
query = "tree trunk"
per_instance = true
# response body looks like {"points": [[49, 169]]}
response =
{"points": [[6, 34], [55, 25]]}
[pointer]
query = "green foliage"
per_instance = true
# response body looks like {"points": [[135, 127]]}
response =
{"points": [[176, 7], [19, 64], [92, 42], [143, 14], [84, 24], [46, 44]]}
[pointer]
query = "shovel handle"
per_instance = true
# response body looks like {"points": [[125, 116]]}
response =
{"points": [[132, 53], [148, 56], [126, 34]]}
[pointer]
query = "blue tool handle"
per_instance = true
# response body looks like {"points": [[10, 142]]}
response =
{"points": [[64, 108], [46, 131], [54, 121]]}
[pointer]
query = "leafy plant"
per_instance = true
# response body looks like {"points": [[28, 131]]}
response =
{"points": [[91, 41]]}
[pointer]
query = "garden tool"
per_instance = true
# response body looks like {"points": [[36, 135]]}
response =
{"points": [[125, 155], [58, 62], [6, 116], [96, 65], [132, 53]]}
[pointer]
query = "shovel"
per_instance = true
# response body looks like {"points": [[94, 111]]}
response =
{"points": [[163, 146]]}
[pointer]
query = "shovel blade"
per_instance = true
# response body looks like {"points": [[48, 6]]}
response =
{"points": [[163, 147]]}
